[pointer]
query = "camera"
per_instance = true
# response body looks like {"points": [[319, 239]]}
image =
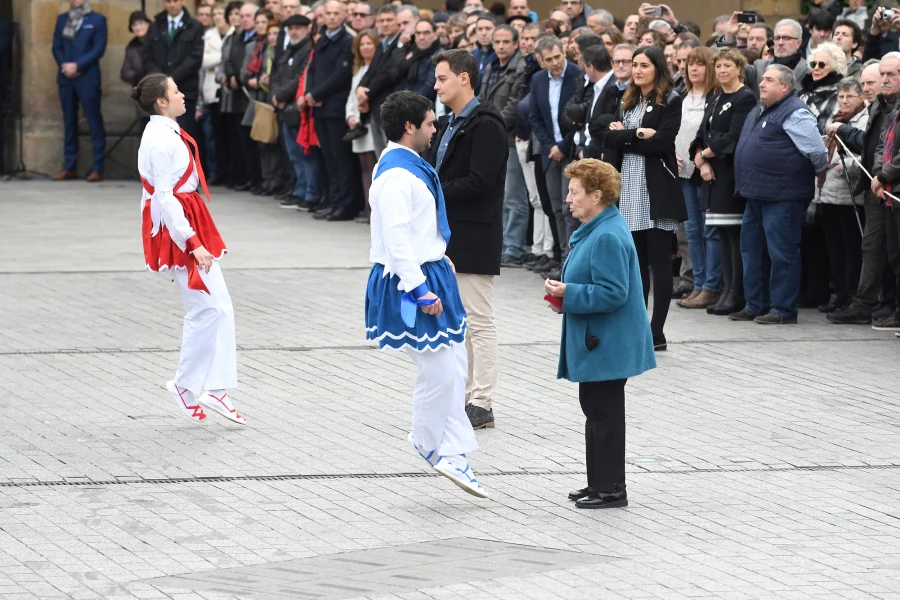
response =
{"points": [[888, 14]]}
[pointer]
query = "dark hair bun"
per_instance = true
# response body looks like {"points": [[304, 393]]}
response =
{"points": [[150, 89]]}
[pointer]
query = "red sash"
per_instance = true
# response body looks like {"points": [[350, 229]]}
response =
{"points": [[160, 252]]}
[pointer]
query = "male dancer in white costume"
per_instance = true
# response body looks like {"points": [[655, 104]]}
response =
{"points": [[412, 300], [179, 235]]}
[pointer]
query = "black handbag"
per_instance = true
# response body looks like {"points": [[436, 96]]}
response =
{"points": [[290, 116]]}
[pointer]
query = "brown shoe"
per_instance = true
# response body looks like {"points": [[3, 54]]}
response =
{"points": [[94, 177], [704, 299], [693, 295], [66, 176]]}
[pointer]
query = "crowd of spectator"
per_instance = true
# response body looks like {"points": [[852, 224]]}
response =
{"points": [[762, 155]]}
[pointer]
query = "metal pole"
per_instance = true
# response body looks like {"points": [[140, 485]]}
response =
{"points": [[840, 152]]}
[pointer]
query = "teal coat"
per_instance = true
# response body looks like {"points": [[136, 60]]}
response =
{"points": [[604, 298]]}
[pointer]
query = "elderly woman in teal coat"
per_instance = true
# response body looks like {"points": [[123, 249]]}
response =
{"points": [[606, 335]]}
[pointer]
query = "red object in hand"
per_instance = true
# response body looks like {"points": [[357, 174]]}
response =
{"points": [[553, 300]]}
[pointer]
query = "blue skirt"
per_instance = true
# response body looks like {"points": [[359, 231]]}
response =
{"points": [[383, 322]]}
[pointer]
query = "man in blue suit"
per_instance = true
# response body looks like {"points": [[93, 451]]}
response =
{"points": [[550, 91], [79, 42]]}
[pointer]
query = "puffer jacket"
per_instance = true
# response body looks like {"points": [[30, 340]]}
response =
{"points": [[835, 190], [821, 97]]}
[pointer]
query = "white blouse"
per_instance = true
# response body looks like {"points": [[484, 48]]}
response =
{"points": [[404, 225], [365, 143], [162, 160]]}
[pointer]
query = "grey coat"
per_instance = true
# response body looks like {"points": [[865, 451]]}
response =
{"points": [[250, 112], [835, 190], [753, 73], [226, 94], [506, 92]]}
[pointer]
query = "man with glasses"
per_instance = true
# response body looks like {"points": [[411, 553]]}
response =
{"points": [[361, 18], [788, 52]]}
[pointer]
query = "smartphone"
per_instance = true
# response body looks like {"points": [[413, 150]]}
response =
{"points": [[656, 12], [746, 18]]}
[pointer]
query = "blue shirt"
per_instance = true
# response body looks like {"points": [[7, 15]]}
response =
{"points": [[455, 120], [555, 91], [331, 34], [385, 44], [803, 129]]}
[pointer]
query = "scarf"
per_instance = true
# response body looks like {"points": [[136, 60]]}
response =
{"points": [[831, 144], [255, 64], [791, 61], [76, 15]]}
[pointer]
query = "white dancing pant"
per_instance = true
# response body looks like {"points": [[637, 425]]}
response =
{"points": [[208, 358], [439, 398], [542, 235]]}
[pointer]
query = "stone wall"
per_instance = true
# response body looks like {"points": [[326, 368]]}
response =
{"points": [[43, 144]]}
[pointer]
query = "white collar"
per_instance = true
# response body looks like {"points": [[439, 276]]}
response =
{"points": [[176, 20], [603, 81], [170, 123]]}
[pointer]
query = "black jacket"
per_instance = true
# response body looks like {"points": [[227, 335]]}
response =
{"points": [[386, 73], [719, 131], [133, 66], [506, 91], [234, 64], [420, 71], [287, 70], [181, 59], [660, 166], [330, 74], [577, 111], [866, 143], [605, 112], [473, 176]]}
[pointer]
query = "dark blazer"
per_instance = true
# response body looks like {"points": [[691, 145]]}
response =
{"points": [[85, 50], [578, 109], [541, 117], [866, 143], [180, 60], [719, 131], [660, 165], [234, 64], [420, 72], [605, 112], [330, 74], [473, 176], [287, 70], [387, 71]]}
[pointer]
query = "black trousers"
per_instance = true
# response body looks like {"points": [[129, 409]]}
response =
{"points": [[251, 158], [233, 172], [815, 267], [603, 404], [341, 165], [844, 243], [540, 177], [188, 122], [732, 263], [654, 249]]}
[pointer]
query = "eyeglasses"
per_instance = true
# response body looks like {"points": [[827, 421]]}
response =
{"points": [[358, 14], [818, 64], [622, 63], [842, 97], [784, 38]]}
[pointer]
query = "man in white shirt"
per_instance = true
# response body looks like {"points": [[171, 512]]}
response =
{"points": [[412, 299]]}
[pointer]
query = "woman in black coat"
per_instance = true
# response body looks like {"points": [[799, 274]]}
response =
{"points": [[643, 145], [713, 153], [132, 67]]}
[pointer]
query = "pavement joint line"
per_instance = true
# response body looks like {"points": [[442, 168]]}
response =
{"points": [[421, 474], [373, 347]]}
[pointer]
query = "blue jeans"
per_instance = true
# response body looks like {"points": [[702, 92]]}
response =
{"points": [[703, 242], [306, 166], [515, 208], [770, 236]]}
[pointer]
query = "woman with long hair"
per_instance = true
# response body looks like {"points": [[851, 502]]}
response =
{"points": [[713, 154], [643, 144], [703, 243], [364, 46], [181, 240]]}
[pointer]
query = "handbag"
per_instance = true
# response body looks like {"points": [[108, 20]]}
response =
{"points": [[265, 123], [290, 116]]}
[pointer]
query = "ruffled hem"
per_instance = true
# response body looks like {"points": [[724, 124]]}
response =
{"points": [[388, 340], [166, 268]]}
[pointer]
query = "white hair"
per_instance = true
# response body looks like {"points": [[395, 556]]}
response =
{"points": [[604, 16], [659, 23], [837, 56], [798, 28], [411, 8]]}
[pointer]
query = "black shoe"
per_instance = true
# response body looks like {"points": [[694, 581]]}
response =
{"points": [[554, 273], [883, 312], [731, 303], [283, 194], [542, 266], [321, 215], [742, 315], [289, 203], [660, 344], [682, 291], [579, 494], [480, 418], [243, 187], [307, 206], [345, 214], [213, 180], [536, 264], [262, 191], [512, 263], [614, 499], [775, 319], [849, 316]]}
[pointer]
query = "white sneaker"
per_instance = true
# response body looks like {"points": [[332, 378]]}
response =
{"points": [[456, 468], [430, 457], [186, 403], [222, 405]]}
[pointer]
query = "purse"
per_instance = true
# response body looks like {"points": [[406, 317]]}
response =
{"points": [[265, 124]]}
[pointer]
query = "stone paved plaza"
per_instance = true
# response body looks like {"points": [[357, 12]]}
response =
{"points": [[763, 462]]}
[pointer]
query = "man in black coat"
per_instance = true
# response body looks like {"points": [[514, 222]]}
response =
{"points": [[385, 74], [328, 82], [470, 154], [174, 46]]}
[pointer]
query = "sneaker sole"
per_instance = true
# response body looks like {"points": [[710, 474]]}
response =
{"points": [[463, 486], [888, 328], [489, 425], [617, 504]]}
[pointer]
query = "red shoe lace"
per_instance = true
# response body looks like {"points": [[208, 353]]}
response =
{"points": [[198, 410]]}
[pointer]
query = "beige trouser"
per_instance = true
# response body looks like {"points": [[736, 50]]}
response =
{"points": [[477, 293]]}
